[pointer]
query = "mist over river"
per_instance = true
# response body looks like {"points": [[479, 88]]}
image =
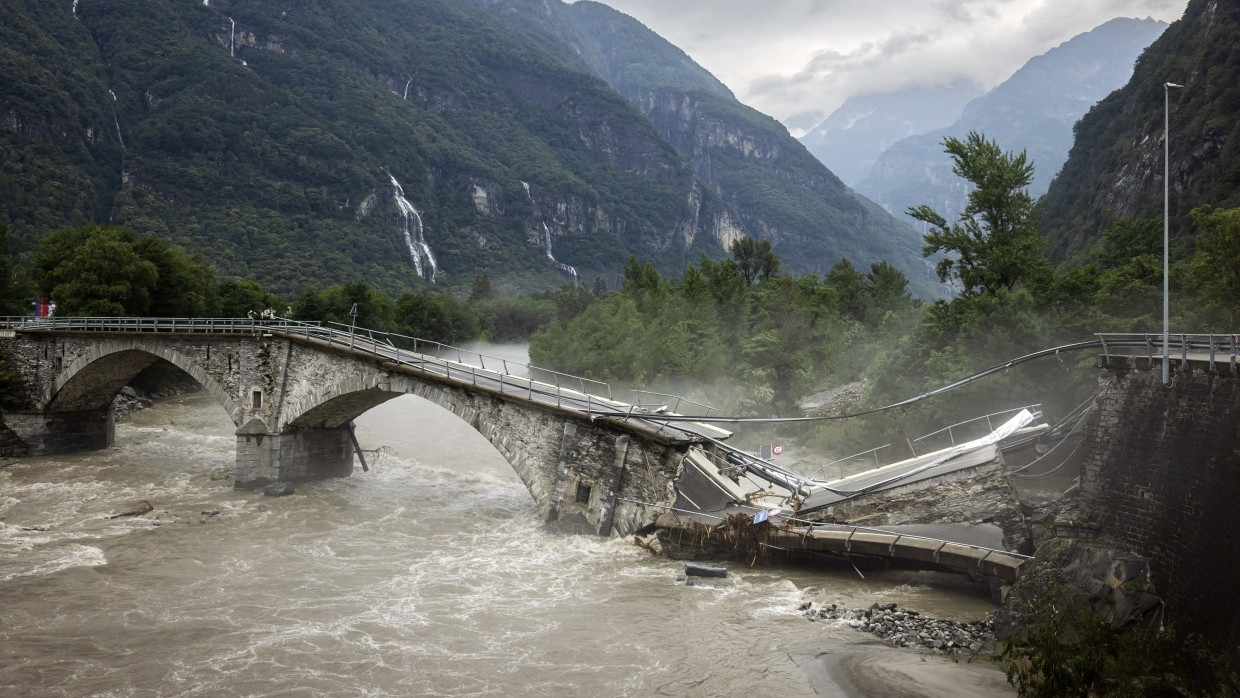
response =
{"points": [[428, 575]]}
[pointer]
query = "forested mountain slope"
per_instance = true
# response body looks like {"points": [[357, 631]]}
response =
{"points": [[1115, 169], [267, 136], [271, 137]]}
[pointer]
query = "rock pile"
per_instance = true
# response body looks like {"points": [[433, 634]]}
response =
{"points": [[907, 628], [127, 402]]}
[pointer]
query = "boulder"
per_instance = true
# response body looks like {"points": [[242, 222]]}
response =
{"points": [[1111, 582], [278, 489], [697, 569]]}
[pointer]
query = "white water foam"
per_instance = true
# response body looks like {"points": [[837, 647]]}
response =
{"points": [[566, 268], [414, 238], [45, 562]]}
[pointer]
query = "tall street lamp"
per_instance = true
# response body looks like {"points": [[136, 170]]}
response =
{"points": [[1166, 359]]}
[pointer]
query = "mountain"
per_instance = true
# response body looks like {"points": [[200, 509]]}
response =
{"points": [[398, 141], [747, 159], [850, 140], [1033, 110], [1115, 169]]}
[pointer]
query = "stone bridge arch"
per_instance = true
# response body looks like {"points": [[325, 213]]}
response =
{"points": [[575, 469], [92, 380], [525, 443]]}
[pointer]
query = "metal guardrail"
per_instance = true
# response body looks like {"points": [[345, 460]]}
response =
{"points": [[569, 391], [1215, 346], [1036, 409], [639, 395]]}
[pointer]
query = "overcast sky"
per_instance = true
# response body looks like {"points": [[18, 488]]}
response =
{"points": [[798, 60]]}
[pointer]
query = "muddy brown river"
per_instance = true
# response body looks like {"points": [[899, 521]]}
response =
{"points": [[428, 576]]}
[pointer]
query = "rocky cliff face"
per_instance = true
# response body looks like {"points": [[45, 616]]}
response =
{"points": [[768, 184], [850, 140], [1115, 169]]}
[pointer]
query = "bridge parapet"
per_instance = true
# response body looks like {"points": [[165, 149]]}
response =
{"points": [[1215, 353]]}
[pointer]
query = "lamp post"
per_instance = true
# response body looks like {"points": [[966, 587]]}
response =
{"points": [[1166, 358]]}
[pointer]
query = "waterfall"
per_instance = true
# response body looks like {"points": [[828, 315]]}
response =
{"points": [[206, 3], [232, 37], [75, 4], [116, 121], [406, 96], [418, 249], [566, 268]]}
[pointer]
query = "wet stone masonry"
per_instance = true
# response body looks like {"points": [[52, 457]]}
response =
{"points": [[293, 403], [1161, 476]]}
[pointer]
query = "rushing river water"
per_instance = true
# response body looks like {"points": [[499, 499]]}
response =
{"points": [[429, 575]]}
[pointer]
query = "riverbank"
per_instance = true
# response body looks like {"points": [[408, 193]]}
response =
{"points": [[903, 674]]}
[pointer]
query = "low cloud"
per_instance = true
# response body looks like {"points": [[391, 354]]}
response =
{"points": [[791, 58]]}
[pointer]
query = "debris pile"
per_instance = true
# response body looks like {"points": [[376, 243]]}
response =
{"points": [[907, 628]]}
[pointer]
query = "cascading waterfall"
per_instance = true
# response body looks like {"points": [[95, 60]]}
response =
{"points": [[116, 121], [418, 249], [406, 95], [232, 37], [566, 268], [75, 4]]}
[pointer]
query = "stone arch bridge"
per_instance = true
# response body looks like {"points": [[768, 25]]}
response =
{"points": [[293, 389]]}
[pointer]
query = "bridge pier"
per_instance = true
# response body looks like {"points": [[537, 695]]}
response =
{"points": [[292, 456], [52, 432]]}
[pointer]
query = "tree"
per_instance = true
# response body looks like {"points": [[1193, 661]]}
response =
{"points": [[1217, 263], [754, 259], [332, 304], [16, 290], [96, 270], [482, 289], [850, 284], [996, 243], [240, 298], [185, 287]]}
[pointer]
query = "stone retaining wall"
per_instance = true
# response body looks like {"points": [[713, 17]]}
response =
{"points": [[1161, 476]]}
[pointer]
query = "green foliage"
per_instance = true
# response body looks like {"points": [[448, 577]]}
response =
{"points": [[96, 271], [482, 289], [1068, 651], [106, 270], [442, 317], [754, 259], [16, 288], [1216, 266], [246, 298], [375, 309], [996, 244], [775, 337], [514, 318]]}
